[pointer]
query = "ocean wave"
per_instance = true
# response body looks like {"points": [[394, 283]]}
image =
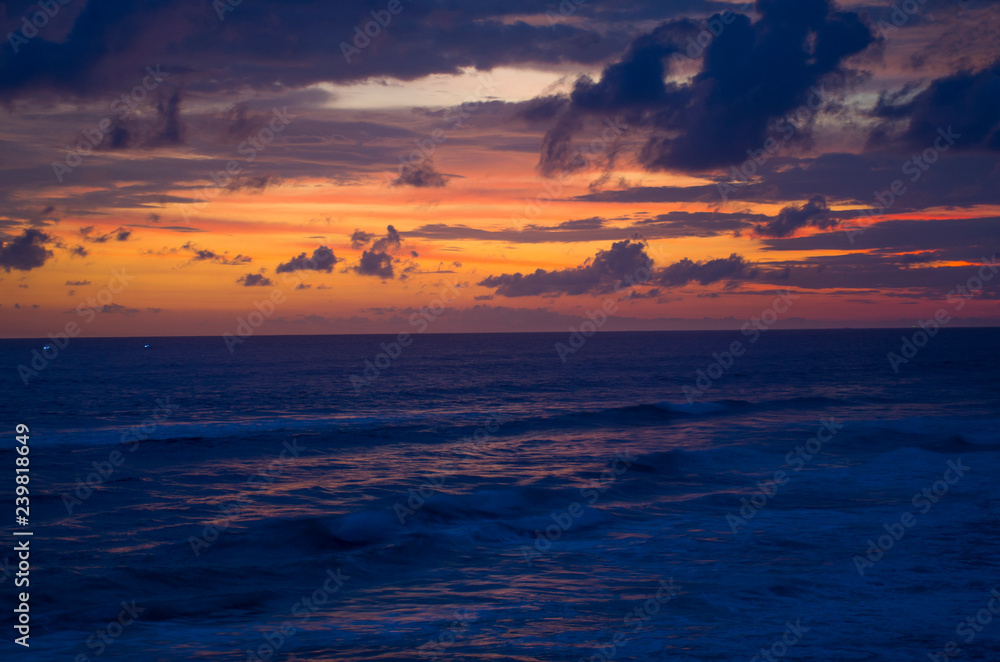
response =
{"points": [[448, 426]]}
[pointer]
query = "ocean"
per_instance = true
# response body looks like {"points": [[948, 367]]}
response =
{"points": [[647, 496]]}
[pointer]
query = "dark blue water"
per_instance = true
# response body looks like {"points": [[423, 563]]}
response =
{"points": [[479, 498]]}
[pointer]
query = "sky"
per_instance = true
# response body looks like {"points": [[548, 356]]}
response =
{"points": [[196, 167]]}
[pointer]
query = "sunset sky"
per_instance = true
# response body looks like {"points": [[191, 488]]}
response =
{"points": [[529, 154]]}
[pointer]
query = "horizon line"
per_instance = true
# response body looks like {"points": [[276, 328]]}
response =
{"points": [[497, 333]]}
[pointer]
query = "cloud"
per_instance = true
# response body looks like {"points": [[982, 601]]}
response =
{"points": [[169, 130], [254, 280], [378, 260], [966, 104], [670, 225], [881, 273], [952, 239], [78, 283], [597, 275], [118, 234], [107, 37], [25, 252], [359, 238], [375, 264], [207, 255], [956, 179], [752, 75], [253, 183], [112, 309], [322, 259], [733, 268], [813, 213], [420, 176]]}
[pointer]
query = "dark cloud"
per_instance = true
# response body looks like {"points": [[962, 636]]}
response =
{"points": [[118, 234], [115, 309], [302, 46], [960, 239], [733, 268], [677, 224], [422, 175], [254, 280], [322, 259], [965, 103], [78, 283], [359, 238], [600, 274], [102, 28], [961, 180], [25, 252], [814, 213], [378, 259], [890, 275], [541, 109], [168, 130], [253, 183], [207, 255], [673, 224], [375, 264], [164, 129], [592, 223], [753, 74]]}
